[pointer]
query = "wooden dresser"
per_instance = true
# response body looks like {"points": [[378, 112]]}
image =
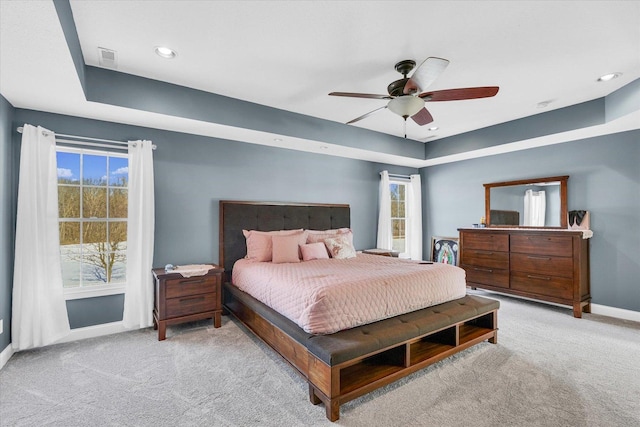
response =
{"points": [[548, 265], [181, 299]]}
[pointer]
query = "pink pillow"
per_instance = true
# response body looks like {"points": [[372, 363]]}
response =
{"points": [[259, 246], [286, 248], [312, 251], [340, 247]]}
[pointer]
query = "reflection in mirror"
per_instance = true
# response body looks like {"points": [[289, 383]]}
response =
{"points": [[532, 205], [538, 202]]}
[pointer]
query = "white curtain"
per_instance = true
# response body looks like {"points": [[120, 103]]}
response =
{"points": [[385, 239], [138, 297], [535, 206], [39, 311], [414, 218]]}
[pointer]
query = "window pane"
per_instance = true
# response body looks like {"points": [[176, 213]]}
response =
{"points": [[68, 202], [70, 263], [93, 273], [401, 191], [118, 203], [401, 212], [394, 192], [94, 235], [118, 171], [94, 202], [118, 236], [68, 165], [70, 234], [118, 269], [94, 170]]}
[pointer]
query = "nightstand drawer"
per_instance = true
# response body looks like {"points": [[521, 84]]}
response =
{"points": [[186, 286], [191, 304]]}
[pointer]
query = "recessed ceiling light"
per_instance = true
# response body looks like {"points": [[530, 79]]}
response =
{"points": [[432, 128], [608, 77], [165, 52]]}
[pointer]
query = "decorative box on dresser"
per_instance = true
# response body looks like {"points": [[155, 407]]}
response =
{"points": [[181, 299], [545, 264]]}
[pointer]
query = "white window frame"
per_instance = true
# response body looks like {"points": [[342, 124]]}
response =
{"points": [[92, 291], [405, 184]]}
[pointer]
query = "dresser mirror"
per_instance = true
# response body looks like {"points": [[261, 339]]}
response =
{"points": [[537, 203]]}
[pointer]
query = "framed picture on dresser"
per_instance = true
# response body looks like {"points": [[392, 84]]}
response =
{"points": [[445, 250]]}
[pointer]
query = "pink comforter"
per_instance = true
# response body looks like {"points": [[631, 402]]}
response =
{"points": [[328, 295]]}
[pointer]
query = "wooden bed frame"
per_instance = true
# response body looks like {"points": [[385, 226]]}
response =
{"points": [[348, 364]]}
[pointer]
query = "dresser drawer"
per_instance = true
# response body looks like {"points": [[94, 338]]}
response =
{"points": [[187, 305], [542, 245], [185, 286], [487, 276], [558, 266], [490, 259], [542, 284], [486, 241]]}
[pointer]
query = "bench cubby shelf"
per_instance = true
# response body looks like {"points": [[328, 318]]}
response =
{"points": [[387, 365]]}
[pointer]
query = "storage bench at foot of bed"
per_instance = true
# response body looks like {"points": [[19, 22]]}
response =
{"points": [[348, 364]]}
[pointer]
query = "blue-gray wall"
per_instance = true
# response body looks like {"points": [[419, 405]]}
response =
{"points": [[7, 212], [604, 179], [192, 173]]}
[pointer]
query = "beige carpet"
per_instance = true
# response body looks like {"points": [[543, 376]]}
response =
{"points": [[548, 369]]}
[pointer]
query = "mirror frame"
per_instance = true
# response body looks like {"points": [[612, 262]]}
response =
{"points": [[563, 199]]}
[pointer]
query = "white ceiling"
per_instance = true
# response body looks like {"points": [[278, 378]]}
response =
{"points": [[291, 54]]}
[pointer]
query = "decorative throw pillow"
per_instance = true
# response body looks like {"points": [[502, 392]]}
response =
{"points": [[340, 247], [286, 248], [319, 235], [312, 251], [259, 245]]}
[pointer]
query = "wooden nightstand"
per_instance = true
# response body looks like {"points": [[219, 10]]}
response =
{"points": [[181, 299]]}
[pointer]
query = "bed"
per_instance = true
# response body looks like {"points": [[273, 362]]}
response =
{"points": [[343, 365]]}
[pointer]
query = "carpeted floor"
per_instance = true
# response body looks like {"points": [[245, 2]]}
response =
{"points": [[548, 369]]}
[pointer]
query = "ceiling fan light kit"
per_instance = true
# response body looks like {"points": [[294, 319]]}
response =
{"points": [[405, 98], [406, 105]]}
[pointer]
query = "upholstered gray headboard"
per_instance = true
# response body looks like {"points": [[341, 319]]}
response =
{"points": [[267, 216]]}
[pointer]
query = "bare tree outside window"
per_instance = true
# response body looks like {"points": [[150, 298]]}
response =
{"points": [[93, 217]]}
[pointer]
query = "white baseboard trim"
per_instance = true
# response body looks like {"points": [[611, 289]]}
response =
{"points": [[6, 355], [618, 313], [602, 310], [94, 331]]}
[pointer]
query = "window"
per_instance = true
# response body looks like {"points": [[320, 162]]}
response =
{"points": [[398, 215], [92, 212]]}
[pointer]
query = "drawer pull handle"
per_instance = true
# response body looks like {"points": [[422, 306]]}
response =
{"points": [[530, 276], [539, 257], [488, 270], [192, 299]]}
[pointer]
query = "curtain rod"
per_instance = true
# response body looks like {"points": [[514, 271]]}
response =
{"points": [[395, 175], [88, 141]]}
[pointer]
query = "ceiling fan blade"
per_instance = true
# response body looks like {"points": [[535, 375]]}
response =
{"points": [[360, 95], [422, 117], [357, 119], [460, 94], [425, 74]]}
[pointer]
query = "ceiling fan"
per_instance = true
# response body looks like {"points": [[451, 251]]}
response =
{"points": [[405, 98]]}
